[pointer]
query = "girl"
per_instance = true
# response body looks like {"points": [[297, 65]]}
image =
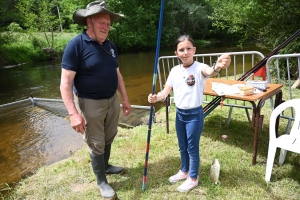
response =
{"points": [[188, 81]]}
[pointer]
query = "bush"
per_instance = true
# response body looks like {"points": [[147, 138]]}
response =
{"points": [[22, 53], [23, 48], [14, 27]]}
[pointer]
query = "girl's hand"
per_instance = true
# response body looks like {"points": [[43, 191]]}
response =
{"points": [[152, 98], [223, 62]]}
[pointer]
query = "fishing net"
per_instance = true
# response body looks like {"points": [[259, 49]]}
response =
{"points": [[55, 106], [14, 106], [139, 114]]}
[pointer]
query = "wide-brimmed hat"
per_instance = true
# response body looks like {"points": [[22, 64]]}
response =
{"points": [[93, 8]]}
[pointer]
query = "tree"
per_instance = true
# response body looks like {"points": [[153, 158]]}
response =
{"points": [[269, 21], [68, 7], [8, 12], [187, 17], [8, 15], [42, 16], [139, 27]]}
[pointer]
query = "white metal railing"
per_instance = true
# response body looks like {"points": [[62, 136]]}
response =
{"points": [[285, 68], [241, 62]]}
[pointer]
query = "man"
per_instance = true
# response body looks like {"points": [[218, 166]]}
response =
{"points": [[91, 77]]}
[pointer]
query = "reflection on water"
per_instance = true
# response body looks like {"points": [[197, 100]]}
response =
{"points": [[32, 137], [40, 80]]}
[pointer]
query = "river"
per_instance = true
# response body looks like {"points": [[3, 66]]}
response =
{"points": [[32, 137]]}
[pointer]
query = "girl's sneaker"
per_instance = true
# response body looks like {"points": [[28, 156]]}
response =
{"points": [[178, 177], [187, 185]]}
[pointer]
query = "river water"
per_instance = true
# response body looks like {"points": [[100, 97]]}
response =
{"points": [[33, 137]]}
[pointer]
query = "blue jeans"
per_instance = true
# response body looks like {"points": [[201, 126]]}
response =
{"points": [[189, 125]]}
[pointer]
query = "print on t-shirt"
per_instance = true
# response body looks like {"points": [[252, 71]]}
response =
{"points": [[190, 81]]}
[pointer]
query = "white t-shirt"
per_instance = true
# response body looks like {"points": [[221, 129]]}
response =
{"points": [[188, 85]]}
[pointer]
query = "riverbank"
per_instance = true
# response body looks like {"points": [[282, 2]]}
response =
{"points": [[73, 178], [33, 47]]}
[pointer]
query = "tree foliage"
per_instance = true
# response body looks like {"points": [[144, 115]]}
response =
{"points": [[8, 12], [269, 21], [67, 8], [188, 17], [139, 27], [8, 15], [42, 16], [137, 30]]}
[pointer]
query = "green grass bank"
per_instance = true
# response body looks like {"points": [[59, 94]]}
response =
{"points": [[18, 48]]}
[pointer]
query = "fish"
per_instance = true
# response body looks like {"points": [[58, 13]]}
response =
{"points": [[214, 172]]}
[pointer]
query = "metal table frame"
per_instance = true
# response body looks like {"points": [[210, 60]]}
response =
{"points": [[257, 101]]}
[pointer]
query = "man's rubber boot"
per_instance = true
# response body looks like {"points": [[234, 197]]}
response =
{"points": [[110, 169], [98, 166]]}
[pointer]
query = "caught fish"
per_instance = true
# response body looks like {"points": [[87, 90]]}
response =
{"points": [[222, 102], [214, 172]]}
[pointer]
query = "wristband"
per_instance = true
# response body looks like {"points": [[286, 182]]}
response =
{"points": [[164, 96], [215, 69]]}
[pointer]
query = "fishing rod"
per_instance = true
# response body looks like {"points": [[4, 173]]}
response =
{"points": [[217, 100], [264, 61], [153, 91]]}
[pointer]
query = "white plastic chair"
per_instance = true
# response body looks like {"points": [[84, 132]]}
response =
{"points": [[287, 142]]}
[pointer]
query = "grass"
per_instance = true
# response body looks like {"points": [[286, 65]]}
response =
{"points": [[73, 178]]}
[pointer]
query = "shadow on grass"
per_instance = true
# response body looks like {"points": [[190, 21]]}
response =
{"points": [[240, 134]]}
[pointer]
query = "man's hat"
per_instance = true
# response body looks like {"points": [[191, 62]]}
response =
{"points": [[93, 8]]}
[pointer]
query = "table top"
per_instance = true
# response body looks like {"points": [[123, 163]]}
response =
{"points": [[271, 90]]}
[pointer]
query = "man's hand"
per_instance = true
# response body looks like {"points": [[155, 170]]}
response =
{"points": [[77, 123], [126, 108]]}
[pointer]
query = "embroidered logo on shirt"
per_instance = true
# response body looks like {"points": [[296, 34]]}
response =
{"points": [[112, 53], [190, 81]]}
